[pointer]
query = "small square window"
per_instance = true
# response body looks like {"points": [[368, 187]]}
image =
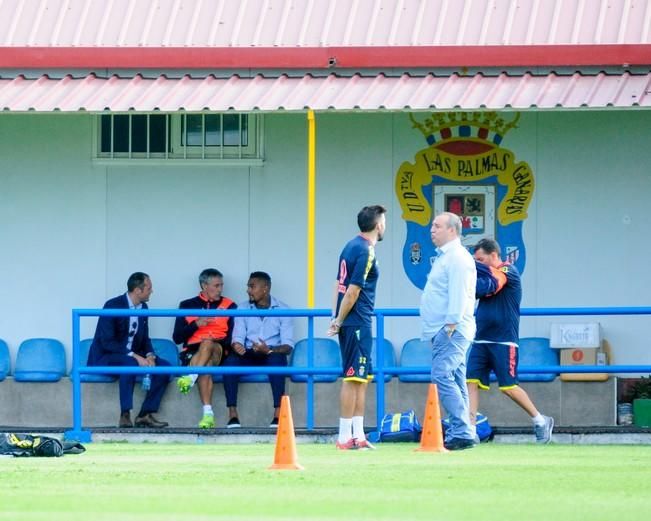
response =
{"points": [[124, 134], [214, 136], [178, 136]]}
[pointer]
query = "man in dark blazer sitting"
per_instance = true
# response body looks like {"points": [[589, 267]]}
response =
{"points": [[124, 341]]}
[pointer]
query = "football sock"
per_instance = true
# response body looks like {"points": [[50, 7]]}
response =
{"points": [[345, 429], [358, 428], [207, 409], [539, 419]]}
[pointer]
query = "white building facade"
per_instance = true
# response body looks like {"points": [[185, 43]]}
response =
{"points": [[115, 168]]}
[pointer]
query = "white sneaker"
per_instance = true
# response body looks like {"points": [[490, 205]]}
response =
{"points": [[544, 432]]}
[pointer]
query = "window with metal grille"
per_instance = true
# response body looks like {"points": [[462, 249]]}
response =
{"points": [[179, 136]]}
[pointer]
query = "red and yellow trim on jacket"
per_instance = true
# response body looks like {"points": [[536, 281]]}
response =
{"points": [[499, 274]]}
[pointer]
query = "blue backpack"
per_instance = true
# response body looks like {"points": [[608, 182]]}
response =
{"points": [[484, 429], [400, 427]]}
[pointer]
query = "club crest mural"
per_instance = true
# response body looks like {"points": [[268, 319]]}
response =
{"points": [[464, 170]]}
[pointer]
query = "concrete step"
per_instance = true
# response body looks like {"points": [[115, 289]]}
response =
{"points": [[580, 435]]}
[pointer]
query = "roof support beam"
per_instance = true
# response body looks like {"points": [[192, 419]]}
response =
{"points": [[324, 57]]}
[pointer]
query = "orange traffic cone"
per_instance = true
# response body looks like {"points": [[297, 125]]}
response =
{"points": [[285, 457], [432, 438]]}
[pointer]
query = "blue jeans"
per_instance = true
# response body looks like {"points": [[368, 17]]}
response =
{"points": [[449, 375]]}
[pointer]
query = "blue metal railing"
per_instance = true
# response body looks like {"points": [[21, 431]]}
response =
{"points": [[79, 367], [380, 370]]}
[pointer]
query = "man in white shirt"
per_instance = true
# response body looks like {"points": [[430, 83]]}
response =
{"points": [[447, 313], [259, 341]]}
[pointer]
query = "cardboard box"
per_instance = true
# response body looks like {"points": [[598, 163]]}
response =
{"points": [[581, 335], [585, 356], [579, 356]]}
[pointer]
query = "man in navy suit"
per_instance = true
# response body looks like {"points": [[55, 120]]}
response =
{"points": [[124, 341]]}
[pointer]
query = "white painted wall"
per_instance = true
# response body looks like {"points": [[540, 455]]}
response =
{"points": [[72, 230]]}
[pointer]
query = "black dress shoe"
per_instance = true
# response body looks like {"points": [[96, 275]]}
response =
{"points": [[125, 421], [459, 444], [148, 421]]}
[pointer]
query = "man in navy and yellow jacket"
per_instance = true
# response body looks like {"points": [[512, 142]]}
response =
{"points": [[495, 347]]}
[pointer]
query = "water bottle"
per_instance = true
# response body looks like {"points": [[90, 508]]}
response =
{"points": [[146, 382], [625, 414]]}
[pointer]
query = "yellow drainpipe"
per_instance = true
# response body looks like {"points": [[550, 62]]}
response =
{"points": [[311, 195]]}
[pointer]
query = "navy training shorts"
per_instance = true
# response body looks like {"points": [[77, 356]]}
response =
{"points": [[502, 359], [355, 343]]}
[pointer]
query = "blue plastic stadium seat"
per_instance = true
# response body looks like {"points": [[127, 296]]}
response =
{"points": [[84, 347], [535, 351], [326, 354], [244, 378], [254, 378], [40, 360], [166, 349], [5, 363], [163, 347], [416, 353], [389, 355]]}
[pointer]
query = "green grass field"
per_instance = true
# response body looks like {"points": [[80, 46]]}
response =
{"points": [[123, 482]]}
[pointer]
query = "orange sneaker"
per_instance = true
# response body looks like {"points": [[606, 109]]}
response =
{"points": [[349, 445], [364, 445]]}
